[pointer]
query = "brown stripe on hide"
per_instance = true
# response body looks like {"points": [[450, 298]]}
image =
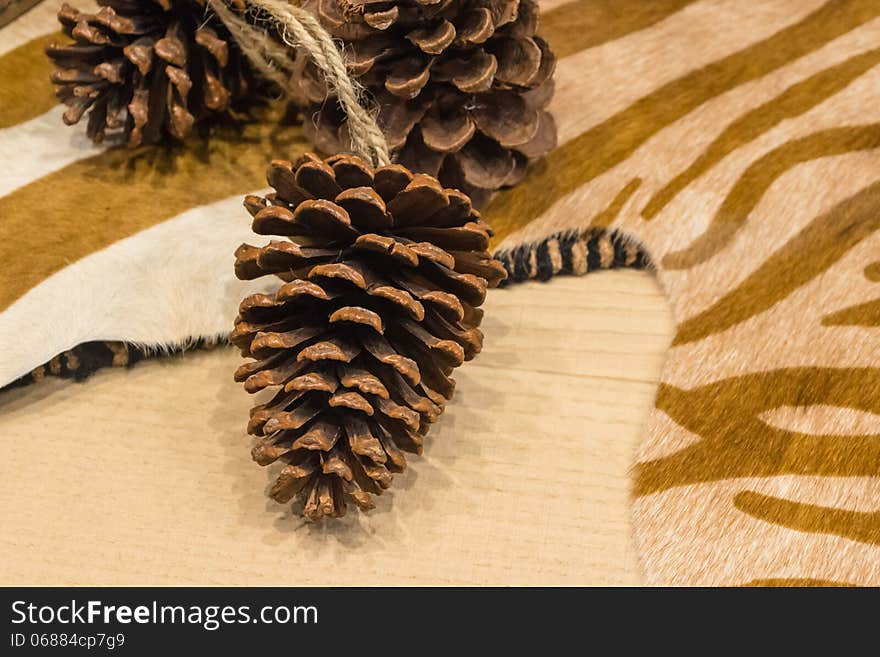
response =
{"points": [[576, 26], [754, 182], [812, 251], [794, 101], [735, 442], [26, 91], [862, 526], [95, 202], [601, 148]]}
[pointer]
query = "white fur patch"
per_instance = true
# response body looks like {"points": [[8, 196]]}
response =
{"points": [[51, 145], [165, 285]]}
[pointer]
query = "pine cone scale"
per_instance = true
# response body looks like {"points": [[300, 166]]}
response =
{"points": [[213, 44], [435, 40], [140, 53], [476, 28], [448, 134], [459, 83]]}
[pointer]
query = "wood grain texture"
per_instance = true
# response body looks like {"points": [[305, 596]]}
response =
{"points": [[144, 476]]}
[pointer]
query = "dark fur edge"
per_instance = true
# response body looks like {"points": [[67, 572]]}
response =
{"points": [[576, 253], [573, 253], [85, 359]]}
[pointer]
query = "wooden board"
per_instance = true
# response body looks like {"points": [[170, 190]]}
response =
{"points": [[144, 476]]}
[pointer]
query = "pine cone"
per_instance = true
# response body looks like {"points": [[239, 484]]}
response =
{"points": [[384, 274], [147, 68], [461, 85]]}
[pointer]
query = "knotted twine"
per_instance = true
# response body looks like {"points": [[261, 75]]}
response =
{"points": [[299, 29]]}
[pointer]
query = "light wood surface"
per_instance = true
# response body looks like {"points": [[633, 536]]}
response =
{"points": [[144, 476]]}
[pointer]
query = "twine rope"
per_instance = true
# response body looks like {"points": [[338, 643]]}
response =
{"points": [[299, 29], [274, 62]]}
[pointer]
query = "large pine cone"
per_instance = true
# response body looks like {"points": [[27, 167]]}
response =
{"points": [[384, 274], [461, 85], [147, 68]]}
